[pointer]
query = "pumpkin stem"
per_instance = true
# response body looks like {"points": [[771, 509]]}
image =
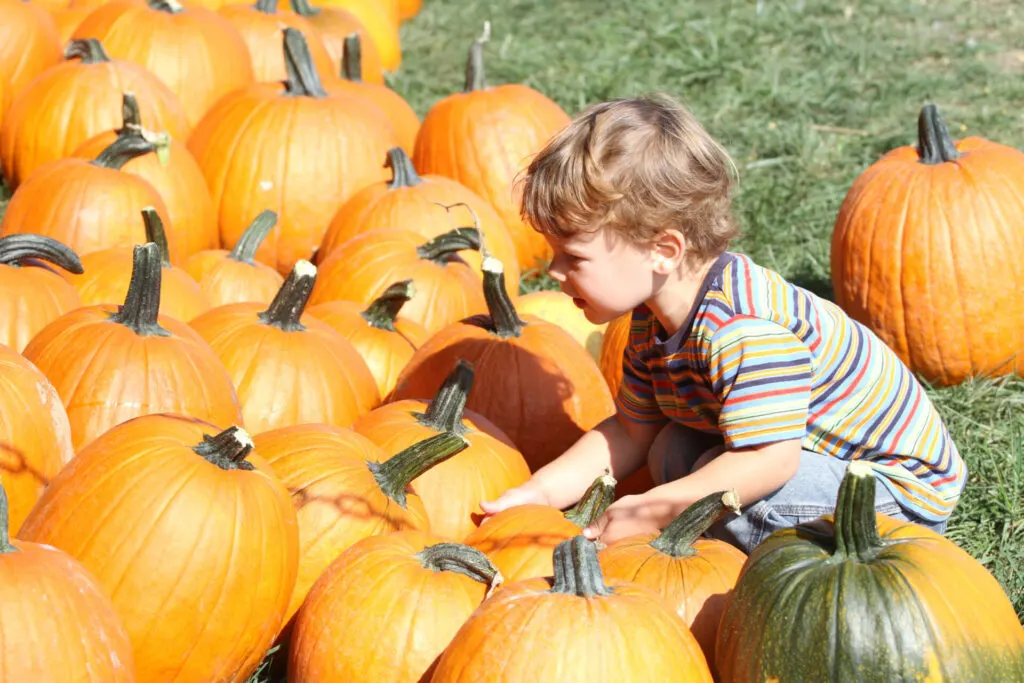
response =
{"points": [[155, 234], [304, 9], [504, 317], [461, 559], [934, 143], [123, 149], [285, 311], [303, 80], [594, 502], [444, 414], [266, 6], [169, 6], [142, 303], [247, 245], [678, 537], [396, 473], [577, 571], [403, 173], [476, 222], [385, 308], [227, 450], [5, 537], [475, 64], [856, 528], [443, 248], [14, 248], [89, 50], [131, 119], [352, 59], [131, 126]]}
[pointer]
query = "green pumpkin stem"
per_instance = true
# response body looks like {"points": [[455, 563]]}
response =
{"points": [[475, 79], [444, 414], [403, 173], [227, 450], [285, 311], [396, 473], [461, 559], [15, 248], [934, 143], [352, 59], [142, 303], [123, 149], [249, 243], [5, 531], [89, 50], [155, 234], [131, 119], [504, 318], [266, 6], [386, 307], [169, 6], [677, 539], [577, 571], [303, 80], [304, 9], [856, 529], [444, 248], [594, 502]]}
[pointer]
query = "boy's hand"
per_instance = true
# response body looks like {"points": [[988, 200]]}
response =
{"points": [[525, 494], [629, 516]]}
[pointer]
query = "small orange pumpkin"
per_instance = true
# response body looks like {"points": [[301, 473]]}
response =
{"points": [[334, 25]]}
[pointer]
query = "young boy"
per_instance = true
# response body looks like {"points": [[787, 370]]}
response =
{"points": [[733, 378]]}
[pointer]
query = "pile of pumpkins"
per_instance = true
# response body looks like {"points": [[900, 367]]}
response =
{"points": [[263, 353]]}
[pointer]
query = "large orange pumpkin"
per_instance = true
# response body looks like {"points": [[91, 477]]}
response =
{"points": [[384, 340], [68, 19], [35, 436], [407, 9], [288, 367], [573, 628], [558, 309], [412, 590], [693, 575], [58, 623], [381, 25], [344, 489], [76, 100], [451, 491], [430, 205], [32, 294], [925, 253], [483, 137], [29, 43], [296, 151], [197, 548], [110, 363], [535, 381], [230, 277], [335, 24], [195, 52], [447, 289]]}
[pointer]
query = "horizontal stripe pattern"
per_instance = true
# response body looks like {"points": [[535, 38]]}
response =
{"points": [[765, 361]]}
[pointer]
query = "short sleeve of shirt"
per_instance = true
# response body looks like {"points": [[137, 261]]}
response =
{"points": [[761, 373], [636, 399]]}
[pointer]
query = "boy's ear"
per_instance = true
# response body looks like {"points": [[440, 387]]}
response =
{"points": [[668, 250]]}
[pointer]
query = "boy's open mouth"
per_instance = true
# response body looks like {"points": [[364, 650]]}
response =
{"points": [[580, 303]]}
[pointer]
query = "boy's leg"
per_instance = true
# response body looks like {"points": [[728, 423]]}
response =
{"points": [[676, 450]]}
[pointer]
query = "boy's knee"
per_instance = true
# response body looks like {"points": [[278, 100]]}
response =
{"points": [[679, 450]]}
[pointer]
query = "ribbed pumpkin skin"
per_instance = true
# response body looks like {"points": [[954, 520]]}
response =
{"points": [[106, 374], [262, 34], [198, 55], [336, 498], [227, 281], [399, 113], [381, 26], [451, 491], [35, 436], [199, 561], [31, 297], [29, 43], [408, 614], [926, 256], [335, 24], [59, 626], [520, 540], [558, 309]]}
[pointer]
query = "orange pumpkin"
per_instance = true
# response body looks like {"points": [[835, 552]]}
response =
{"points": [[924, 252], [35, 436], [407, 9], [32, 295], [88, 205], [483, 137], [197, 548], [447, 289], [289, 368], [574, 628], [403, 119], [431, 205], [76, 100], [230, 277], [110, 364], [451, 491], [335, 24], [58, 623], [344, 489], [693, 575], [613, 348], [381, 25], [335, 142], [29, 43], [192, 50], [558, 309], [384, 340], [108, 274], [68, 19], [429, 587], [536, 383]]}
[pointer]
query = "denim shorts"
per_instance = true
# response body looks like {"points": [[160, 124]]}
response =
{"points": [[810, 494]]}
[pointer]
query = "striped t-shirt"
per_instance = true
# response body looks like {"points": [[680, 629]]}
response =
{"points": [[761, 360]]}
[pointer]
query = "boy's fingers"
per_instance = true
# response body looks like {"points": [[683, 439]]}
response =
{"points": [[594, 530]]}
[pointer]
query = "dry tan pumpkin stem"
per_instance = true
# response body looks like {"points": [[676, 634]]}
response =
{"points": [[14, 248]]}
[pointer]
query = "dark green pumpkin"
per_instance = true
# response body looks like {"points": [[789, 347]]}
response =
{"points": [[866, 598]]}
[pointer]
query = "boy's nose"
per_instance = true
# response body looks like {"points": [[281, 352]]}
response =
{"points": [[555, 270]]}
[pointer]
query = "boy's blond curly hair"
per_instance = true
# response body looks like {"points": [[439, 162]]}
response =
{"points": [[637, 166]]}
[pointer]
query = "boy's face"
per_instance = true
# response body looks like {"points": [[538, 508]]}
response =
{"points": [[606, 275]]}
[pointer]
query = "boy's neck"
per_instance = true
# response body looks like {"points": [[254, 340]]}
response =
{"points": [[674, 300]]}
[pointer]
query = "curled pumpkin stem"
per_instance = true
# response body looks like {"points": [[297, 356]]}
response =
{"points": [[15, 248], [155, 234]]}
